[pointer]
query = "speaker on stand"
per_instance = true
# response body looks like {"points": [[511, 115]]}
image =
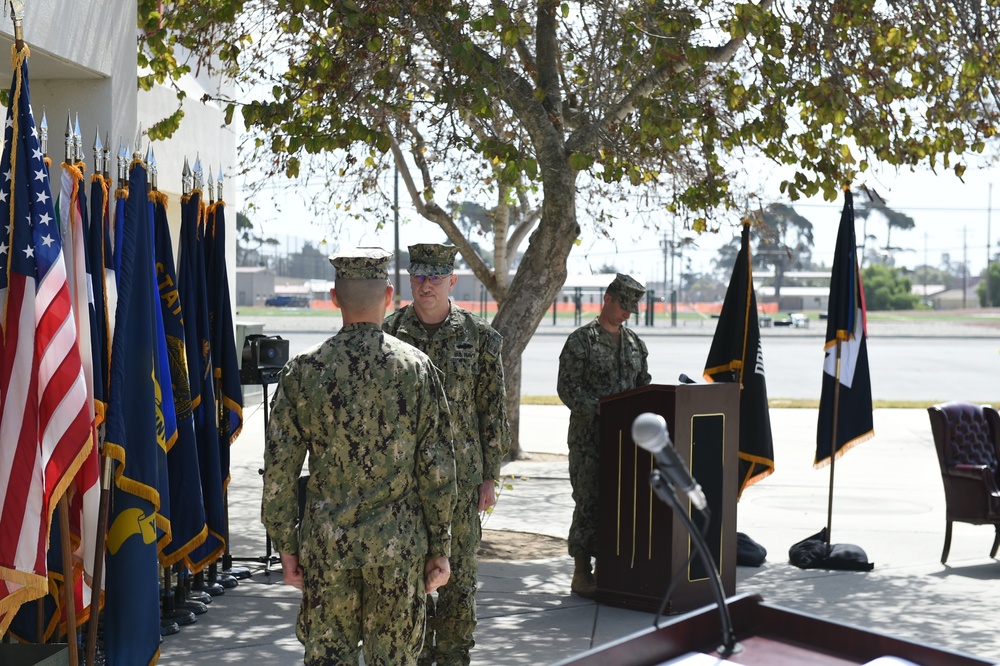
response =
{"points": [[263, 358]]}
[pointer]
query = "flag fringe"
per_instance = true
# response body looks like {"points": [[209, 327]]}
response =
{"points": [[183, 551], [33, 587], [860, 439]]}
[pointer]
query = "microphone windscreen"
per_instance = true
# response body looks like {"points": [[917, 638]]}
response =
{"points": [[649, 431]]}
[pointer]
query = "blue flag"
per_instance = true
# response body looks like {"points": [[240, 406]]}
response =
{"points": [[197, 337], [100, 329], [846, 352], [229, 391], [135, 437], [187, 507]]}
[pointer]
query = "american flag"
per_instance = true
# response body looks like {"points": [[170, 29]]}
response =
{"points": [[46, 424]]}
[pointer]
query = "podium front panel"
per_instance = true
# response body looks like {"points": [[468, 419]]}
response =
{"points": [[640, 543]]}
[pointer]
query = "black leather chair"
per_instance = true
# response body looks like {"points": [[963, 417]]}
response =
{"points": [[967, 439]]}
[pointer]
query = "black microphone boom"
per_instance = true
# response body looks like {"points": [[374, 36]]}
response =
{"points": [[650, 433], [671, 480]]}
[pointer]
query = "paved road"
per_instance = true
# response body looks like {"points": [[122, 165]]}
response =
{"points": [[901, 368], [908, 362]]}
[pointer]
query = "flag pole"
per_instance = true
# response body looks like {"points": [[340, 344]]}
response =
{"points": [[833, 445], [17, 15], [99, 547], [69, 598], [100, 543]]}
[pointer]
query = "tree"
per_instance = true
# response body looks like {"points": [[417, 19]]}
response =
{"points": [[249, 243], [543, 105], [870, 202], [886, 289], [782, 240], [994, 277], [775, 245]]}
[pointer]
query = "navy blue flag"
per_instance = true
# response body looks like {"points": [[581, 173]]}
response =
{"points": [[100, 330], [187, 506], [229, 390], [191, 283], [846, 352], [162, 370], [736, 356], [135, 438]]}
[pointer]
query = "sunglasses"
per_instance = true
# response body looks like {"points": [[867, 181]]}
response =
{"points": [[433, 279]]}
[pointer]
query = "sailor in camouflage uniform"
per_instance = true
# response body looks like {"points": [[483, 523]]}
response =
{"points": [[467, 349], [599, 359], [371, 413]]}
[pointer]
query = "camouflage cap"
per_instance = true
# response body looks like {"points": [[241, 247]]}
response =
{"points": [[629, 292], [362, 263], [432, 259]]}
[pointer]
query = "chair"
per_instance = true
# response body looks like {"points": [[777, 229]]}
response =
{"points": [[967, 439]]}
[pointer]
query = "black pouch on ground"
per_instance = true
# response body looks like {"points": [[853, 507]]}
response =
{"points": [[749, 553], [814, 553]]}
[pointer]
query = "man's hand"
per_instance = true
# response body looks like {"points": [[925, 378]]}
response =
{"points": [[487, 494], [437, 571], [291, 570]]}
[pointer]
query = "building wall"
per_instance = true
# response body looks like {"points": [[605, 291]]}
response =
{"points": [[84, 63]]}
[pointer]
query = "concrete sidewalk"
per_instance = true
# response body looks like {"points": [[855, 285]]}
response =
{"points": [[888, 499]]}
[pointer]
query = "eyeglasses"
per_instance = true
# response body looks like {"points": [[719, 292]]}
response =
{"points": [[433, 279]]}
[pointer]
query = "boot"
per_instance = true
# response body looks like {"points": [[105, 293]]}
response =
{"points": [[584, 584]]}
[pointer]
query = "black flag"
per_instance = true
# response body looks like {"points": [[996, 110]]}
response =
{"points": [[736, 356], [847, 347]]}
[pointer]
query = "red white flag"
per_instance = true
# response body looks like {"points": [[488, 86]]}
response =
{"points": [[85, 504], [46, 424]]}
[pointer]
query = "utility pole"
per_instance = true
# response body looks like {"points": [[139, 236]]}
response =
{"points": [[673, 275], [395, 190], [926, 300], [665, 255], [989, 212], [965, 269]]}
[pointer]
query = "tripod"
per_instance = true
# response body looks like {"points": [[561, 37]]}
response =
{"points": [[268, 558]]}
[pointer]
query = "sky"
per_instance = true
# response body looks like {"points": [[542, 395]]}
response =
{"points": [[951, 217]]}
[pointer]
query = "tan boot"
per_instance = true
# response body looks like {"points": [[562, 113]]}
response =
{"points": [[584, 584]]}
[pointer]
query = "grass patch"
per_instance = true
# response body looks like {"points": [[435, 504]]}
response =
{"points": [[540, 400], [284, 312]]}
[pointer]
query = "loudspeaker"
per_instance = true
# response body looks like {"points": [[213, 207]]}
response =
{"points": [[263, 358]]}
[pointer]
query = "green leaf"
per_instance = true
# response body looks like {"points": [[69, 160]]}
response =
{"points": [[580, 162]]}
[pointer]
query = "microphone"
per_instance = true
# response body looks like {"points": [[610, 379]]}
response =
{"points": [[684, 379], [650, 433]]}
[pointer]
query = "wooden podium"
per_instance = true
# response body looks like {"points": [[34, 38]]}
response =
{"points": [[640, 544], [769, 636]]}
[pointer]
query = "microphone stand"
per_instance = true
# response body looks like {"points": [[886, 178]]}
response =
{"points": [[665, 491]]}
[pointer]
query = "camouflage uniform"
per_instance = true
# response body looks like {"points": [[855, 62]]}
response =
{"points": [[591, 366], [467, 349], [371, 413]]}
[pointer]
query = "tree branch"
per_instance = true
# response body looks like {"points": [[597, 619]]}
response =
{"points": [[430, 210], [585, 139]]}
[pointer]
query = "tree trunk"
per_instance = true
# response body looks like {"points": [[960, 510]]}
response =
{"points": [[512, 382], [538, 280]]}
